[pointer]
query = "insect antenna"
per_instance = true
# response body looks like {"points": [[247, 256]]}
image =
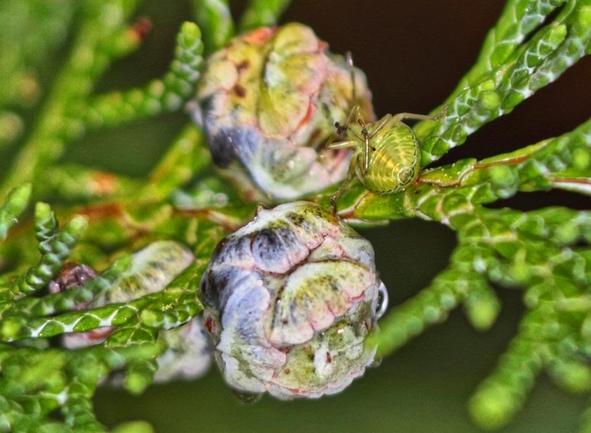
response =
{"points": [[342, 128], [353, 108], [349, 58]]}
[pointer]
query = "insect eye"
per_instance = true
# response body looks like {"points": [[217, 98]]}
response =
{"points": [[341, 129]]}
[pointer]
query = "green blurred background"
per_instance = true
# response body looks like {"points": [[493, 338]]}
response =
{"points": [[413, 52]]}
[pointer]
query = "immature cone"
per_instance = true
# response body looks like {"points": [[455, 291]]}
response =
{"points": [[152, 269], [269, 102], [290, 299]]}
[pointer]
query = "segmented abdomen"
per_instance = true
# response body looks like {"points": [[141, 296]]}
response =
{"points": [[394, 164]]}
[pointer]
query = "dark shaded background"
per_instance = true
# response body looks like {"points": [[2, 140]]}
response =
{"points": [[413, 53]]}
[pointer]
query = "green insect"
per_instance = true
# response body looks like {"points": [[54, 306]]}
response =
{"points": [[386, 153]]}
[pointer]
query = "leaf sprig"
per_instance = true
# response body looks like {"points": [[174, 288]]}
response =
{"points": [[544, 252]]}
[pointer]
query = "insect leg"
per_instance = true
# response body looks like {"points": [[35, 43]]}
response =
{"points": [[353, 115], [412, 116], [334, 141], [347, 144], [377, 127], [344, 185], [366, 155]]}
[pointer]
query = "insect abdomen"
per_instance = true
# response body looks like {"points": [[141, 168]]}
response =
{"points": [[394, 163]]}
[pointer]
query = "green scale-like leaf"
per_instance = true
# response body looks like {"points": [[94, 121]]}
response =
{"points": [[544, 252]]}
